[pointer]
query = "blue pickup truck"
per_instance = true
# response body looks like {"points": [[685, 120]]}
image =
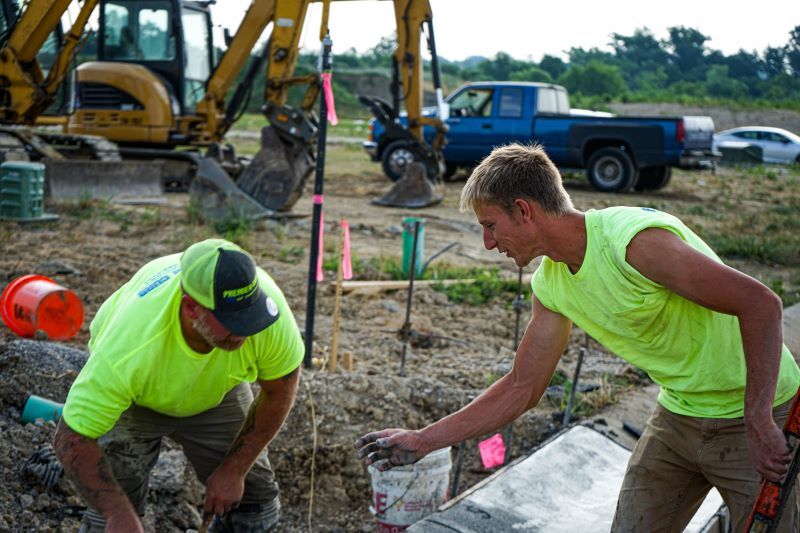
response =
{"points": [[618, 153]]}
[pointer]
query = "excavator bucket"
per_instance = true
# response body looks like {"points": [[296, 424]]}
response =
{"points": [[218, 199], [277, 174], [132, 182], [413, 190]]}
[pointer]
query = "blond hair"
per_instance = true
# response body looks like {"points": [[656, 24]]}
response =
{"points": [[517, 171]]}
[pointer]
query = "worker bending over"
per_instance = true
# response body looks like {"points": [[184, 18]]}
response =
{"points": [[171, 354], [650, 290]]}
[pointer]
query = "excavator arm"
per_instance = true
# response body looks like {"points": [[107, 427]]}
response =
{"points": [[278, 172], [25, 92], [403, 145]]}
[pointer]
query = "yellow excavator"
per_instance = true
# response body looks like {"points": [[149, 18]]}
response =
{"points": [[31, 35], [156, 88]]}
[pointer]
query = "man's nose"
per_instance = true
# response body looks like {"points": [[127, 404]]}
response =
{"points": [[488, 240]]}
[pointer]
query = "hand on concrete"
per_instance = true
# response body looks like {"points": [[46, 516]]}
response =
{"points": [[224, 490], [391, 447], [769, 451]]}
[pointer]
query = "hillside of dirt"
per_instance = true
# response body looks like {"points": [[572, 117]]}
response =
{"points": [[724, 117], [459, 348]]}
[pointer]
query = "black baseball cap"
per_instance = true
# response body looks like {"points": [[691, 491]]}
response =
{"points": [[222, 277]]}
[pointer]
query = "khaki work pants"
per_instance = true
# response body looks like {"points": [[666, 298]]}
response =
{"points": [[131, 449], [676, 462]]}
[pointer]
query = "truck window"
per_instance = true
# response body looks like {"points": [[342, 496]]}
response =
{"points": [[472, 102], [510, 102], [552, 100], [546, 101], [562, 101]]}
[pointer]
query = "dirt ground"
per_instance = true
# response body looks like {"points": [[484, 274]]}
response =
{"points": [[95, 247]]}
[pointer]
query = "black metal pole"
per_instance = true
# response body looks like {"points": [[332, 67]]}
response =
{"points": [[574, 387], [518, 305], [407, 325], [459, 465], [325, 67]]}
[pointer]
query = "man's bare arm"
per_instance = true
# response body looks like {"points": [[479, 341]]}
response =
{"points": [[84, 463], [664, 258], [269, 410], [509, 397]]}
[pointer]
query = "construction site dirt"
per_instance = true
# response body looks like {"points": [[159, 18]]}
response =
{"points": [[458, 350]]}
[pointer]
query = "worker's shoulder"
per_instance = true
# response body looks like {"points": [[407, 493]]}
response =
{"points": [[155, 273], [623, 215]]}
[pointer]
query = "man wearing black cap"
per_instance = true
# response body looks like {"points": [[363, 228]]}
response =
{"points": [[171, 353]]}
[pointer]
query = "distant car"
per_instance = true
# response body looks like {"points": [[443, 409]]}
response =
{"points": [[778, 145]]}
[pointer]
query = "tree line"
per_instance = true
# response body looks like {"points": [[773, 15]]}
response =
{"points": [[639, 68]]}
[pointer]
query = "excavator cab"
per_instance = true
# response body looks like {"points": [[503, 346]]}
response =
{"points": [[154, 58], [170, 38], [156, 86]]}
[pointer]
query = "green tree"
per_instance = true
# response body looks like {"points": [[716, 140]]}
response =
{"points": [[553, 66], [641, 49], [774, 61], [746, 68], [532, 73], [688, 50], [594, 79], [720, 84], [501, 67], [793, 51], [579, 56], [381, 53]]}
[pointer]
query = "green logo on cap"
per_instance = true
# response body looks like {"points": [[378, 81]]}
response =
{"points": [[242, 292]]}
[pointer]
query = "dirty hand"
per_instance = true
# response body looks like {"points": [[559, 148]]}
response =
{"points": [[224, 490], [391, 447], [769, 451]]}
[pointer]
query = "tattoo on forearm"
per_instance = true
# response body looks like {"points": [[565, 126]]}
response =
{"points": [[247, 426]]}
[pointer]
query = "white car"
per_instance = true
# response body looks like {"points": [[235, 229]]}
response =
{"points": [[778, 145]]}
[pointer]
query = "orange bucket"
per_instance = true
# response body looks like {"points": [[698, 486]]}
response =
{"points": [[32, 303]]}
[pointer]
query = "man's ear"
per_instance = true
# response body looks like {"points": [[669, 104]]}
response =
{"points": [[525, 207]]}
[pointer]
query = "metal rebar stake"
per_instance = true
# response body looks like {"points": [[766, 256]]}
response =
{"points": [[407, 324], [508, 432], [573, 388], [325, 66]]}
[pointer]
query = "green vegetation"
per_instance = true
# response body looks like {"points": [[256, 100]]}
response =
{"points": [[488, 285], [588, 403], [86, 208], [640, 68], [480, 286]]}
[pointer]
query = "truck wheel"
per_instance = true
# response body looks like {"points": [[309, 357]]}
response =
{"points": [[611, 170], [653, 178], [397, 156]]}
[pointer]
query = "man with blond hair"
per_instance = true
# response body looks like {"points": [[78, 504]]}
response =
{"points": [[649, 289]]}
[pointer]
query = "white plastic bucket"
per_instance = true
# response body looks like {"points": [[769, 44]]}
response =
{"points": [[406, 494]]}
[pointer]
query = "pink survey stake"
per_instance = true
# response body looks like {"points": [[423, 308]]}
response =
{"points": [[493, 451]]}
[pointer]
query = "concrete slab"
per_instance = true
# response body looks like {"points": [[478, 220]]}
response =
{"points": [[791, 329], [569, 484]]}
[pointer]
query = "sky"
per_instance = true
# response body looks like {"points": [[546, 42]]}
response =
{"points": [[528, 29]]}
